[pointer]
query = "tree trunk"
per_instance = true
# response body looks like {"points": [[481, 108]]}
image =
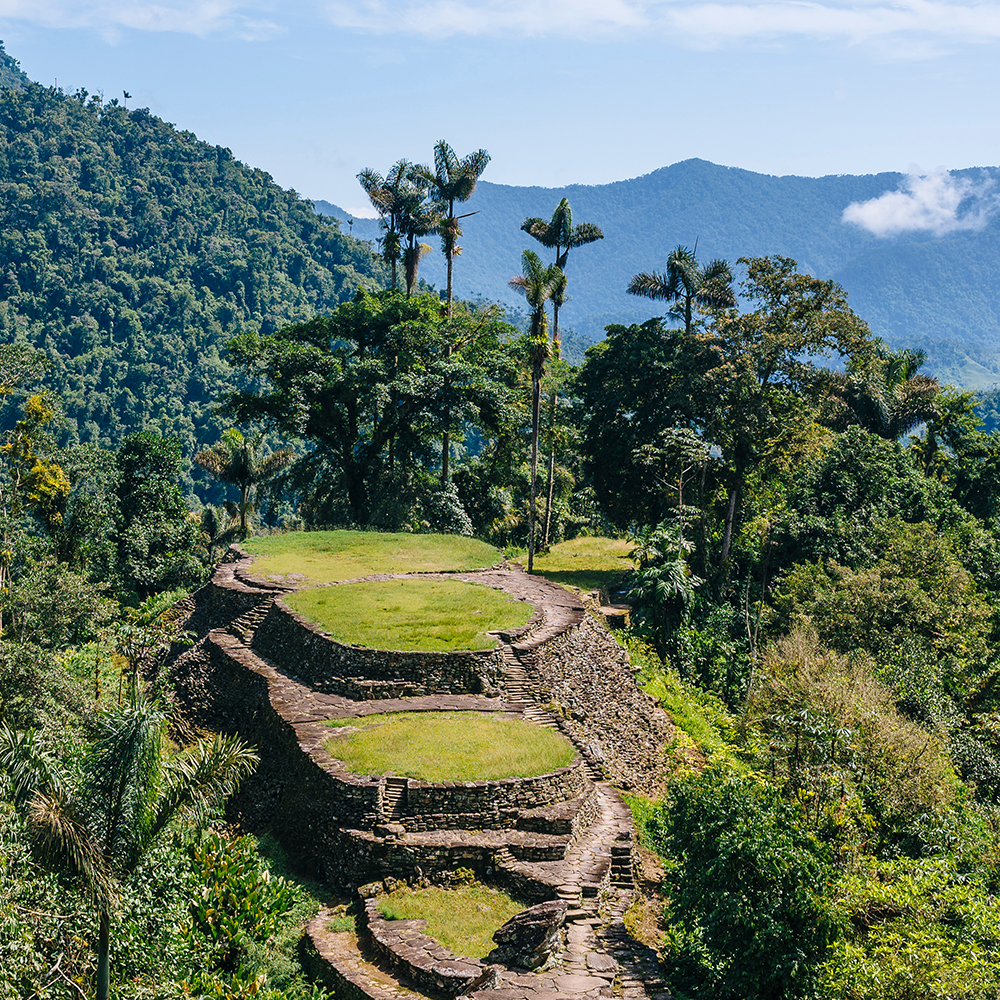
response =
{"points": [[552, 429], [536, 392], [445, 449], [552, 467], [727, 534], [451, 261], [103, 950]]}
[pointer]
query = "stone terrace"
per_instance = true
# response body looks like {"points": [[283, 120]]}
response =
{"points": [[567, 836]]}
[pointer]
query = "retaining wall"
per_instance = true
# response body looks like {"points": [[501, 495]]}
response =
{"points": [[312, 655]]}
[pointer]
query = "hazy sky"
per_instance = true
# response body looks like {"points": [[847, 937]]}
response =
{"points": [[558, 91]]}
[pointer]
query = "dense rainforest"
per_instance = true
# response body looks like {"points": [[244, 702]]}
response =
{"points": [[813, 524], [130, 252]]}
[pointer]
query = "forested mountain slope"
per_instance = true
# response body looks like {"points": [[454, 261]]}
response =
{"points": [[131, 251], [939, 293]]}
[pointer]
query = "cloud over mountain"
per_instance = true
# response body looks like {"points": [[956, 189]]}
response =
{"points": [[937, 203]]}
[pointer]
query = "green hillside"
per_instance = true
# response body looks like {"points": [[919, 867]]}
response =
{"points": [[942, 294], [130, 251]]}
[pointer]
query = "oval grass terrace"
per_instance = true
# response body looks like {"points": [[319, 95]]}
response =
{"points": [[412, 614], [304, 557], [448, 746]]}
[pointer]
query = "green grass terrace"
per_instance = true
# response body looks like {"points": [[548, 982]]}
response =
{"points": [[448, 746], [588, 562], [463, 919], [328, 556], [413, 614]]}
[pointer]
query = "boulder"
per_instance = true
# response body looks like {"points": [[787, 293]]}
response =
{"points": [[533, 938]]}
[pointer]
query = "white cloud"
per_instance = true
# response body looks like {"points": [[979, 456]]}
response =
{"points": [[699, 24], [937, 203], [110, 17]]}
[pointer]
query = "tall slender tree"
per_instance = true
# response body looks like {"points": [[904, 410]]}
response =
{"points": [[98, 821], [685, 283], [453, 180], [560, 234], [535, 283], [387, 195]]}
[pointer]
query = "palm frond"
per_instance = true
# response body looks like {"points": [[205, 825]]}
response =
{"points": [[28, 766], [63, 839], [201, 777], [651, 285], [585, 233]]}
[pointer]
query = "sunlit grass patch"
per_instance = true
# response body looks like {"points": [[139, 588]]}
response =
{"points": [[587, 562], [327, 556], [449, 746], [429, 615], [463, 919]]}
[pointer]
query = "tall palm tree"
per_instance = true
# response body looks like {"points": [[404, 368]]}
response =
{"points": [[453, 180], [239, 461], [685, 283], [882, 393], [387, 195], [535, 283], [97, 822], [559, 233]]}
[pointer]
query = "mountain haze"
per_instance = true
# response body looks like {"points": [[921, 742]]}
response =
{"points": [[938, 293]]}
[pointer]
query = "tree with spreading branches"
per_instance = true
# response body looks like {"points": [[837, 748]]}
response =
{"points": [[685, 284], [97, 820]]}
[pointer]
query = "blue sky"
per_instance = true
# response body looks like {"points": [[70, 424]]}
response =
{"points": [[558, 91]]}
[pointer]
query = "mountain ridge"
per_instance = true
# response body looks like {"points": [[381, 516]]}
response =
{"points": [[939, 293]]}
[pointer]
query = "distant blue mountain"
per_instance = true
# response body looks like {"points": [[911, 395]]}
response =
{"points": [[938, 293]]}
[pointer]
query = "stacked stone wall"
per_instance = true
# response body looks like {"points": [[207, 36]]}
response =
{"points": [[307, 652], [588, 677], [490, 799]]}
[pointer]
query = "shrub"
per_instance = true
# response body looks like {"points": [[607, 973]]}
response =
{"points": [[748, 914]]}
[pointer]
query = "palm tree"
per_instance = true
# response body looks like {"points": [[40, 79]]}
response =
{"points": [[883, 394], [453, 180], [559, 233], [238, 461], [387, 195], [535, 283], [686, 283], [98, 821]]}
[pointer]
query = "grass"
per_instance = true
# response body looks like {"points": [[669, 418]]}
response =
{"points": [[449, 746], [429, 615], [463, 919], [588, 562], [702, 720], [328, 556]]}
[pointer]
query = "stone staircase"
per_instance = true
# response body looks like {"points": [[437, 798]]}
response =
{"points": [[518, 694], [395, 797], [246, 625]]}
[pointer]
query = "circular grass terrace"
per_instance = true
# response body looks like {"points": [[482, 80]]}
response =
{"points": [[464, 918], [329, 556], [412, 615], [448, 746]]}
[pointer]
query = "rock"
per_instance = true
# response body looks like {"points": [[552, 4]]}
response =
{"points": [[533, 937], [489, 980]]}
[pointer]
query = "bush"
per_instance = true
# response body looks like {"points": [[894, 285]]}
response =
{"points": [[749, 914]]}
